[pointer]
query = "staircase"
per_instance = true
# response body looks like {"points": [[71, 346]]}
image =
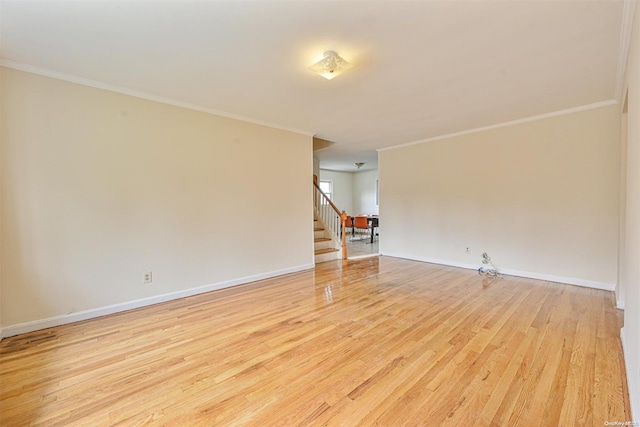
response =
{"points": [[323, 244], [328, 227]]}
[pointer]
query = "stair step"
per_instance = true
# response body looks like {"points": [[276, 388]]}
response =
{"points": [[322, 239], [318, 229], [325, 251]]}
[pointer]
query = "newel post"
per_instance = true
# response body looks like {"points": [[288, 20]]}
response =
{"points": [[343, 222]]}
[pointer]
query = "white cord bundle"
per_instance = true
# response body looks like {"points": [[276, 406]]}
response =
{"points": [[490, 270]]}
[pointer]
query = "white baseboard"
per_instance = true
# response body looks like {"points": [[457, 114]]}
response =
{"points": [[362, 256], [431, 260], [620, 305], [561, 279], [23, 328], [632, 386], [518, 273]]}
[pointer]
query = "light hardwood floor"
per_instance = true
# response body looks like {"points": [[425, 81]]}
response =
{"points": [[362, 247], [378, 341]]}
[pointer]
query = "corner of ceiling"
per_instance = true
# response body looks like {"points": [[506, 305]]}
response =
{"points": [[628, 7], [321, 144]]}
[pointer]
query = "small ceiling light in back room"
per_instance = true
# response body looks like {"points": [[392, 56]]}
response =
{"points": [[359, 164], [331, 65]]}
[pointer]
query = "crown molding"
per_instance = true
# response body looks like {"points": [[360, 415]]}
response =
{"points": [[143, 95], [626, 27], [509, 123]]}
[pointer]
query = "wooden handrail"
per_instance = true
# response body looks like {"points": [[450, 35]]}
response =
{"points": [[335, 208], [333, 221]]}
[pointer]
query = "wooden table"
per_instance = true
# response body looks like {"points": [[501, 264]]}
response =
{"points": [[373, 220]]}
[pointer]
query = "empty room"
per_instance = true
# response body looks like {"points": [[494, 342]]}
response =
{"points": [[301, 213]]}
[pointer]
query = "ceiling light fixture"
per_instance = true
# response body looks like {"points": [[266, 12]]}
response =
{"points": [[331, 65], [359, 164]]}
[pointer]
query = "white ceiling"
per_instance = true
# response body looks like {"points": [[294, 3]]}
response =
{"points": [[422, 68]]}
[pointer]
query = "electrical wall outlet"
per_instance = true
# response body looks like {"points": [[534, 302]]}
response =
{"points": [[148, 277], [467, 250]]}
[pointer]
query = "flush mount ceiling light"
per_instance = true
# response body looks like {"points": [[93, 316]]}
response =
{"points": [[359, 164], [331, 65]]}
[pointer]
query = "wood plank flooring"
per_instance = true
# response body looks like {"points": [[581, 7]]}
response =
{"points": [[378, 341]]}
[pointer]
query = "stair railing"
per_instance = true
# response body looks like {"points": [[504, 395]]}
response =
{"points": [[333, 219]]}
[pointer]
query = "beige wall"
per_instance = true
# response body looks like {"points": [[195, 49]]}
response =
{"points": [[364, 192], [342, 188], [631, 253], [539, 197], [354, 192], [100, 187], [1, 195], [622, 214]]}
